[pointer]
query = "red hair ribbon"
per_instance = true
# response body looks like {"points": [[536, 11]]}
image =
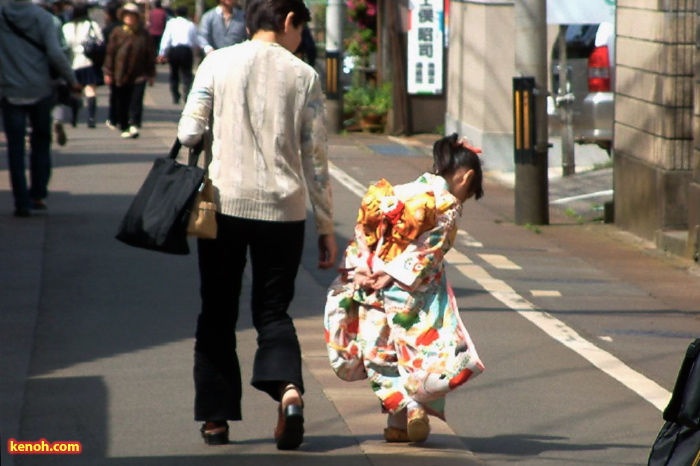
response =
{"points": [[464, 142]]}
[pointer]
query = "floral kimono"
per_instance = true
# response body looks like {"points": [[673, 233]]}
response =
{"points": [[408, 338]]}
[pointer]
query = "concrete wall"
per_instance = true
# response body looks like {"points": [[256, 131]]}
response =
{"points": [[653, 145], [481, 69]]}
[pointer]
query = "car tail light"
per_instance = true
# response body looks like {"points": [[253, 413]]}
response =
{"points": [[599, 70]]}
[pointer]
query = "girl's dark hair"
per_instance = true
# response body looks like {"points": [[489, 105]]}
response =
{"points": [[111, 11], [269, 15], [80, 12], [449, 155]]}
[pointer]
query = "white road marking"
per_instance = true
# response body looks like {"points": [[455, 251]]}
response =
{"points": [[564, 200], [454, 257], [606, 338], [558, 330], [555, 328], [346, 180], [500, 262], [545, 293], [468, 240]]}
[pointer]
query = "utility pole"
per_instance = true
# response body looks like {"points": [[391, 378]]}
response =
{"points": [[334, 64], [565, 104], [199, 7], [531, 180]]}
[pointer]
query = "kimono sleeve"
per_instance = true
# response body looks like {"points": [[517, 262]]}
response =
{"points": [[424, 256]]}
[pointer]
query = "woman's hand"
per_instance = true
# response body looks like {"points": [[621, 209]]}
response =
{"points": [[361, 278], [108, 80], [327, 251], [380, 280]]}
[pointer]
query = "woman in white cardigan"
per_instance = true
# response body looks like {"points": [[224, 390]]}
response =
{"points": [[269, 149], [89, 74]]}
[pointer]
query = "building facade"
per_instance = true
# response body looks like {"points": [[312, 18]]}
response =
{"points": [[656, 153], [657, 118]]}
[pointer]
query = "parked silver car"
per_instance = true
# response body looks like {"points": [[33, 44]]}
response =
{"points": [[590, 52]]}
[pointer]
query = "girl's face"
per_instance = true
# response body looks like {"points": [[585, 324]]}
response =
{"points": [[461, 183]]}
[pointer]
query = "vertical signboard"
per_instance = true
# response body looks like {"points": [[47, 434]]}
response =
{"points": [[425, 46]]}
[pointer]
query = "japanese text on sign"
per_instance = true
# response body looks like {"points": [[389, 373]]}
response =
{"points": [[425, 47]]}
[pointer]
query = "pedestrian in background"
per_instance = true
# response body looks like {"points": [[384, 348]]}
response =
{"points": [[62, 92], [130, 64], [29, 48], [111, 22], [62, 9], [269, 149], [391, 316], [222, 26], [89, 74], [157, 19], [177, 48]]}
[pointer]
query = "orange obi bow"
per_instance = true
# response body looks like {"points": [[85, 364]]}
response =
{"points": [[383, 215]]}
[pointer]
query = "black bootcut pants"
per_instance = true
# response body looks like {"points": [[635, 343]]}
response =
{"points": [[181, 60], [275, 253]]}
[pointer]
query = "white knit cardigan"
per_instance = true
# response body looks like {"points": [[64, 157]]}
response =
{"points": [[269, 133]]}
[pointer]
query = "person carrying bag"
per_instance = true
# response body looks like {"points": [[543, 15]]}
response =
{"points": [[159, 215]]}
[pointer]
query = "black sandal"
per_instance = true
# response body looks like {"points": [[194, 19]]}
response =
{"points": [[292, 435], [214, 436]]}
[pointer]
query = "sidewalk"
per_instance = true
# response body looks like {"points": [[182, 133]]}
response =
{"points": [[96, 337]]}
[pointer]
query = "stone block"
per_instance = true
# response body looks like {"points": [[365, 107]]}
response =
{"points": [[636, 195], [694, 221], [660, 120], [661, 5], [656, 57], [668, 154], [670, 27], [649, 198], [654, 88]]}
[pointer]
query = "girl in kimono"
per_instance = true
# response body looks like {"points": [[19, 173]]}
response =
{"points": [[391, 316]]}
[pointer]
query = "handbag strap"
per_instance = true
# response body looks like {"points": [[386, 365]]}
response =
{"points": [[21, 33], [91, 30], [193, 157]]}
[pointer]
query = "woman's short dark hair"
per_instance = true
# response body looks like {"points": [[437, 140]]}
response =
{"points": [[449, 154], [269, 15]]}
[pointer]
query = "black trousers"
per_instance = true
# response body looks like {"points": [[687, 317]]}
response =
{"points": [[181, 60], [129, 104], [275, 252], [112, 111]]}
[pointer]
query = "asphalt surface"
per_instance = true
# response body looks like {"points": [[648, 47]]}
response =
{"points": [[96, 337]]}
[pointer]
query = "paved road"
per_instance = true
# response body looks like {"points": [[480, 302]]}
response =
{"points": [[572, 321]]}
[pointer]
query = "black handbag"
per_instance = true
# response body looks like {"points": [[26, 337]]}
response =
{"points": [[94, 49], [678, 442], [158, 216], [684, 407]]}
